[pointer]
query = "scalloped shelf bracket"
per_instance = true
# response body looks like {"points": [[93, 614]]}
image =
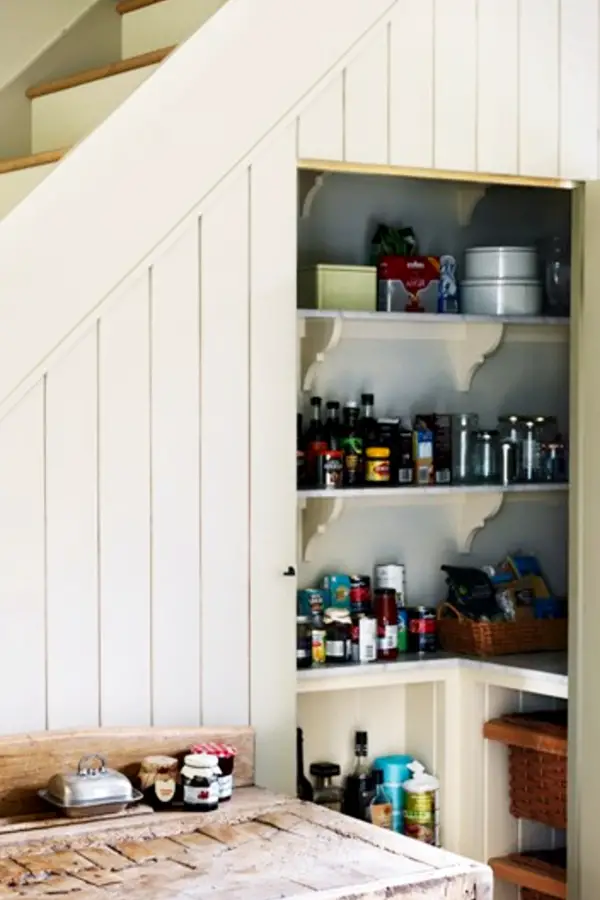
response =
{"points": [[309, 186], [320, 337], [318, 514], [472, 513], [467, 200], [467, 356]]}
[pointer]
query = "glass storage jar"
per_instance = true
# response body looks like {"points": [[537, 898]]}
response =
{"points": [[200, 782], [486, 468], [464, 426], [529, 453]]}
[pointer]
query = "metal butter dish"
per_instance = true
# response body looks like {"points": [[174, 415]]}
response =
{"points": [[91, 790]]}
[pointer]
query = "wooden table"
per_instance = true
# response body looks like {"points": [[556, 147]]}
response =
{"points": [[259, 846]]}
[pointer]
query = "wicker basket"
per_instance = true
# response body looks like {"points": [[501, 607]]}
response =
{"points": [[460, 635], [537, 764], [541, 874]]}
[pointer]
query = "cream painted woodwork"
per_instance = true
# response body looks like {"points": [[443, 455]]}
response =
{"points": [[65, 117], [163, 24], [490, 86], [16, 185]]}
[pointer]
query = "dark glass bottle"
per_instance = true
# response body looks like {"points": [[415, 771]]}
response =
{"points": [[300, 473], [352, 446], [315, 441], [368, 428], [360, 785], [333, 428], [304, 788]]}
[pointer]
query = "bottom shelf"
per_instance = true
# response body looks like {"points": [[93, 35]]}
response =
{"points": [[541, 875]]}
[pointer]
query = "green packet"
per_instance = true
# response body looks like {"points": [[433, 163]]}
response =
{"points": [[389, 241]]}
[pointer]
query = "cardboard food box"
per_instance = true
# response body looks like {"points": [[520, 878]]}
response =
{"points": [[338, 287], [417, 284]]}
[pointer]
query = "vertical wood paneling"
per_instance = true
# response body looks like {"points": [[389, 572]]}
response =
{"points": [[498, 86], [455, 56], [539, 98], [22, 564], [366, 102], [272, 430], [175, 387], [321, 124], [225, 454], [578, 154], [421, 724], [411, 83], [72, 537], [124, 368]]}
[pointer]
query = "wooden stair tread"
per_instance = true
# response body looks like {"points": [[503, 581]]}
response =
{"points": [[16, 163], [85, 77], [127, 6]]}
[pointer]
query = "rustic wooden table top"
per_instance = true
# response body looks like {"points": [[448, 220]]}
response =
{"points": [[260, 846]]}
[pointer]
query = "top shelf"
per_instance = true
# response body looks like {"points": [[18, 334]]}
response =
{"points": [[471, 339]]}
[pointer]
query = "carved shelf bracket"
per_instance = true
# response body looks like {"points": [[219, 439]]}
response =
{"points": [[467, 199], [309, 186], [472, 513], [320, 337], [317, 515], [467, 356]]}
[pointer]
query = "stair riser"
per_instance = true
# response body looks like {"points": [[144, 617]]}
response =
{"points": [[14, 186], [65, 117], [163, 24]]}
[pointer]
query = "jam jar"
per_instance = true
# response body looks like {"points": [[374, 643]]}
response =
{"points": [[158, 778], [226, 755], [200, 782], [338, 636], [303, 642]]}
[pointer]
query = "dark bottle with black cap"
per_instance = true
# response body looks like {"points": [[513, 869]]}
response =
{"points": [[360, 784], [304, 788]]}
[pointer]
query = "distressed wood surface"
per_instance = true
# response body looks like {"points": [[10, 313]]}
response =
{"points": [[28, 761], [257, 847]]}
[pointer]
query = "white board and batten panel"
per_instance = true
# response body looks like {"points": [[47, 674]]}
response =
{"points": [[224, 405], [455, 79], [273, 254], [175, 481], [579, 70], [125, 506], [22, 566], [497, 86], [321, 125], [539, 87], [366, 113], [72, 537]]}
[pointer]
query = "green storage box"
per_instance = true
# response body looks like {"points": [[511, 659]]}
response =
{"points": [[338, 287]]}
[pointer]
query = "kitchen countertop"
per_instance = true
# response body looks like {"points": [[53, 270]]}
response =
{"points": [[259, 846]]}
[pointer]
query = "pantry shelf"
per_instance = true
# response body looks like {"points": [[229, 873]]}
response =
{"points": [[472, 339], [475, 505]]}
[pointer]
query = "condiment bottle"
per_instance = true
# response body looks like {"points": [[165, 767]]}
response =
{"points": [[358, 789], [314, 441], [352, 445], [200, 780], [387, 624], [158, 780], [304, 789], [380, 808], [325, 792]]}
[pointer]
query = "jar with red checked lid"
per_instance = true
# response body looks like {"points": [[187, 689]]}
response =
{"points": [[200, 782], [226, 755]]}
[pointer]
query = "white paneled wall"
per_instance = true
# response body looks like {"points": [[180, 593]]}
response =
{"points": [[125, 486], [492, 86]]}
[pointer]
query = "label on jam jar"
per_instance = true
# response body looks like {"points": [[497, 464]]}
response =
{"points": [[201, 796], [225, 786], [387, 637], [164, 788]]}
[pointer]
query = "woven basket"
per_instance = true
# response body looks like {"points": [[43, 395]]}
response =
{"points": [[460, 635], [537, 764], [541, 874]]}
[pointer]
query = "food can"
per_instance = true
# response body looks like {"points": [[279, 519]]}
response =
{"points": [[330, 468], [364, 639], [422, 629], [318, 646], [392, 575], [402, 629], [360, 594]]}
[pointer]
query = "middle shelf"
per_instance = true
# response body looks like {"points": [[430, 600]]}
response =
{"points": [[475, 504]]}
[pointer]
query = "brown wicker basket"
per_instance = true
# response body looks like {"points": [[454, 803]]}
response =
{"points": [[537, 764], [541, 874], [460, 635]]}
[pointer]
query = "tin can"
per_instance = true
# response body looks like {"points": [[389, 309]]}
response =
{"points": [[318, 645], [360, 594], [422, 629], [363, 639], [330, 467], [392, 576], [402, 629]]}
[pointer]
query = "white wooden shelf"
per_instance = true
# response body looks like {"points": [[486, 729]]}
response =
{"points": [[475, 505], [472, 339]]}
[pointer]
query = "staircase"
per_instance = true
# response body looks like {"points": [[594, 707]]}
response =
{"points": [[65, 110]]}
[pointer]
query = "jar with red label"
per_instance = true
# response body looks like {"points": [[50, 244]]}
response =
{"points": [[377, 466], [422, 629], [387, 624]]}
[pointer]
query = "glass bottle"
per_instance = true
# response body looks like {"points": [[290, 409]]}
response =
{"points": [[358, 789], [333, 428], [300, 473], [304, 789], [352, 446], [368, 423], [557, 277], [325, 792], [380, 808], [529, 454], [464, 426], [315, 441], [486, 468]]}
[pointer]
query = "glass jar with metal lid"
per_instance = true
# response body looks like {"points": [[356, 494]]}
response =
{"points": [[200, 781], [486, 468]]}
